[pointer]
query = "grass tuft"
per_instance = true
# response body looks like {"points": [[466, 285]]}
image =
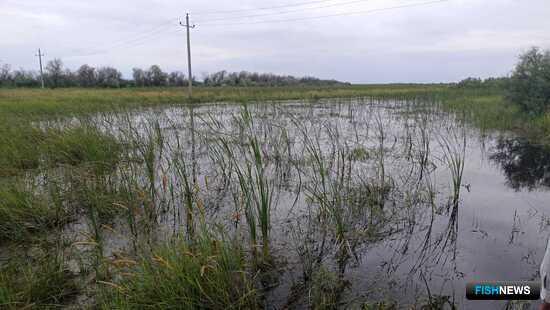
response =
{"points": [[23, 212], [212, 274]]}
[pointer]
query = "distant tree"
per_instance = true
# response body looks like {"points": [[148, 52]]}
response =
{"points": [[5, 75], [496, 83], [69, 78], [86, 76], [109, 77], [176, 78], [529, 85], [156, 76], [488, 85], [23, 78], [243, 78], [470, 82], [54, 72], [139, 77]]}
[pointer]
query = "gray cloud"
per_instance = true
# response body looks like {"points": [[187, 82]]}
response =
{"points": [[443, 41]]}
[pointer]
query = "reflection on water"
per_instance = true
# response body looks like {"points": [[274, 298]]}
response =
{"points": [[526, 165]]}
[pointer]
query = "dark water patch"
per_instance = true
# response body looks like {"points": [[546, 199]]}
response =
{"points": [[526, 165]]}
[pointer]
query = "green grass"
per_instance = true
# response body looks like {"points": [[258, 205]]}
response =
{"points": [[85, 150], [18, 147], [39, 103], [23, 212], [486, 107], [326, 288], [43, 283], [25, 147], [493, 112], [81, 144], [210, 274]]}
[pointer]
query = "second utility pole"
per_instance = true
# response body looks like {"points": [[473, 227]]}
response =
{"points": [[190, 76], [41, 72]]}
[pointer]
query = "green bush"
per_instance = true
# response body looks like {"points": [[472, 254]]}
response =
{"points": [[529, 85]]}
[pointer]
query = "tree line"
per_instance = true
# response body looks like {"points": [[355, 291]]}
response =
{"points": [[491, 83], [528, 86], [244, 78], [57, 75]]}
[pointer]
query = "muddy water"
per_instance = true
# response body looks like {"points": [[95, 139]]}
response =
{"points": [[420, 249]]}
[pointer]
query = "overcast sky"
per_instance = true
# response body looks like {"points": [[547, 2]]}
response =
{"points": [[369, 41]]}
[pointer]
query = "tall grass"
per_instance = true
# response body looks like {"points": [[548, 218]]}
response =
{"points": [[256, 189], [454, 148], [24, 146], [23, 212], [211, 274], [43, 283]]}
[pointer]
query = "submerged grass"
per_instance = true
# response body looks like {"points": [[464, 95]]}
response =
{"points": [[256, 189]]}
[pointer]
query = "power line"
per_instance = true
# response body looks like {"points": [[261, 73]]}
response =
{"points": [[131, 42], [289, 11], [144, 37], [146, 34], [329, 15], [262, 8]]}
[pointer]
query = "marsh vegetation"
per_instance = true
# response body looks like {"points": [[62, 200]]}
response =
{"points": [[315, 203]]}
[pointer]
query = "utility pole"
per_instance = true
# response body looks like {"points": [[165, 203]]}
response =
{"points": [[41, 71], [190, 93], [190, 75]]}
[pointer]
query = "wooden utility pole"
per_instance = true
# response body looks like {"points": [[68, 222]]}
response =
{"points": [[190, 93], [190, 74], [41, 71]]}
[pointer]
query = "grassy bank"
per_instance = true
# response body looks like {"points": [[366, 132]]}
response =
{"points": [[49, 102], [493, 112]]}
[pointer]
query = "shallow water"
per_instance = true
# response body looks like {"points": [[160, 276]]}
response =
{"points": [[420, 247]]}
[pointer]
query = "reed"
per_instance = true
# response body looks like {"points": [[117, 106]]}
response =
{"points": [[256, 189]]}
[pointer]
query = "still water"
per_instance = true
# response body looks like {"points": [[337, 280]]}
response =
{"points": [[410, 235]]}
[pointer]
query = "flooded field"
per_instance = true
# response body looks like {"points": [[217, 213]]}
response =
{"points": [[341, 203]]}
